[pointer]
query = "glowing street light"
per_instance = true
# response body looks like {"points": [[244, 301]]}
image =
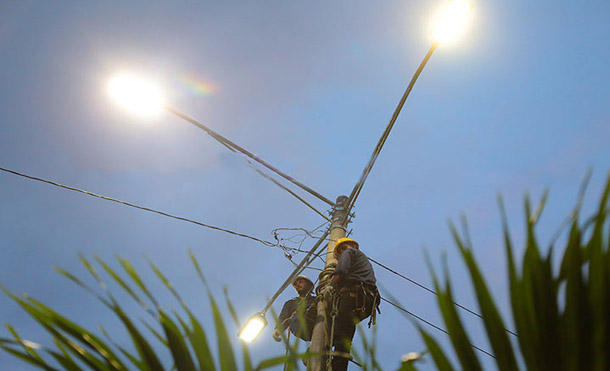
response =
{"points": [[451, 22], [253, 327], [136, 95]]}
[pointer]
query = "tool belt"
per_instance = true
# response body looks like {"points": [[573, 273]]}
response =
{"points": [[366, 299]]}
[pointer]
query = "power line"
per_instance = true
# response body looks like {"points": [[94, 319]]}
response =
{"points": [[367, 169], [287, 190], [432, 325], [266, 243], [234, 147], [432, 291]]}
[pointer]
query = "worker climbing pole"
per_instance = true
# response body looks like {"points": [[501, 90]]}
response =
{"points": [[347, 294]]}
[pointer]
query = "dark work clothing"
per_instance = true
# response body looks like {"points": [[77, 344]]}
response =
{"points": [[354, 266], [290, 315], [357, 299], [352, 308]]}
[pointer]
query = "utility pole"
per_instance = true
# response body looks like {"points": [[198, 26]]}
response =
{"points": [[319, 338]]}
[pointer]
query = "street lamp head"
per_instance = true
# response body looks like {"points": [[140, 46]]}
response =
{"points": [[253, 327], [136, 95], [451, 21]]}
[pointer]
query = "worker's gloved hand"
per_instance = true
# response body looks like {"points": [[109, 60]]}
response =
{"points": [[327, 292], [277, 336]]}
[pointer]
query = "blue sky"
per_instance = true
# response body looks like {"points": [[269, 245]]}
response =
{"points": [[519, 105]]}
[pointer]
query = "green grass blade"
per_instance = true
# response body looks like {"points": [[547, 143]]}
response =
{"points": [[225, 348], [599, 284], [542, 291], [182, 356], [27, 358], [79, 333], [280, 360], [199, 343], [29, 350], [53, 322], [438, 356], [197, 267], [577, 352], [146, 352], [133, 359], [167, 284], [81, 284], [64, 358], [156, 334], [244, 348], [494, 326], [121, 283], [457, 334], [520, 303], [135, 277]]}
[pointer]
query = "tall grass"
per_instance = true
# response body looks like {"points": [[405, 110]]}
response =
{"points": [[181, 335], [561, 315]]}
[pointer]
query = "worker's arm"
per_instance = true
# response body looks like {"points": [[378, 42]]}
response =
{"points": [[344, 264], [285, 314]]}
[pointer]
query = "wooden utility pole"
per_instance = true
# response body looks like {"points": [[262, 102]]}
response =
{"points": [[319, 338]]}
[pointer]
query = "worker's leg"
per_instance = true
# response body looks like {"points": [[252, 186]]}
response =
{"points": [[345, 327]]}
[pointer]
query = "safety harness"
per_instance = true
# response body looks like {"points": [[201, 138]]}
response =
{"points": [[359, 292]]}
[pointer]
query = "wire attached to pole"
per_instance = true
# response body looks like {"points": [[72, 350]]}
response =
{"points": [[367, 169], [288, 190], [234, 147], [266, 243], [297, 270]]}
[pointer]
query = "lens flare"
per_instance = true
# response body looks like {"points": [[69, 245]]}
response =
{"points": [[196, 85]]}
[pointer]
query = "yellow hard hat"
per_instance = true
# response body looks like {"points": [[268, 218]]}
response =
{"points": [[342, 241]]}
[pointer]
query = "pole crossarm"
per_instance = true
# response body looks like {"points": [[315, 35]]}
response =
{"points": [[369, 166], [235, 147]]}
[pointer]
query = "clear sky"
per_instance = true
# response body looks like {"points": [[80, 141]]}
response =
{"points": [[519, 105]]}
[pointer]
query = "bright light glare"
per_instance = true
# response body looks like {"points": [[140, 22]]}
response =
{"points": [[451, 22], [137, 95], [253, 328], [31, 344]]}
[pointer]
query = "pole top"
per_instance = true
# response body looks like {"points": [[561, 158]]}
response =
{"points": [[341, 200]]}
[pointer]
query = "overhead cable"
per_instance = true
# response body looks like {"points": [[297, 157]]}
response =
{"points": [[266, 243], [288, 190], [231, 145], [432, 325], [432, 291], [365, 173]]}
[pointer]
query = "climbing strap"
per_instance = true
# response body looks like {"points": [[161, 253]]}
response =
{"points": [[333, 315]]}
